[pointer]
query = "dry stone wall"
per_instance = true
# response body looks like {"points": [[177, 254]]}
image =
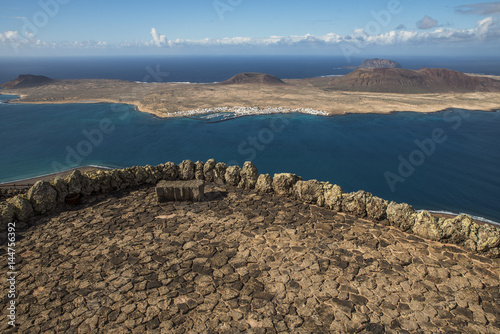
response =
{"points": [[45, 197]]}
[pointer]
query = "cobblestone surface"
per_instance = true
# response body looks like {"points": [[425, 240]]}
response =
{"points": [[241, 262]]}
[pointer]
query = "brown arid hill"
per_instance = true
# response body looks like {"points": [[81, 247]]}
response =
{"points": [[27, 81], [258, 78], [397, 80]]}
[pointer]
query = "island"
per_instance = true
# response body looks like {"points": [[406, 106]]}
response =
{"points": [[377, 63], [364, 90]]}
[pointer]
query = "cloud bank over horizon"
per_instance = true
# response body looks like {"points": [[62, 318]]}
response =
{"points": [[486, 31]]}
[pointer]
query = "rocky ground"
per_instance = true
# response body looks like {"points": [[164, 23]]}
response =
{"points": [[240, 262]]}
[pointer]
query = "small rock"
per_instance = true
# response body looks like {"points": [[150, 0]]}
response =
{"points": [[427, 226], [401, 215], [187, 170], [354, 203], [333, 196], [233, 176], [264, 183], [283, 183], [43, 197], [22, 208], [220, 173], [209, 170], [249, 175], [310, 192]]}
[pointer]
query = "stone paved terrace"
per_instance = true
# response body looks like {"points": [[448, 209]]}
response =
{"points": [[241, 262]]}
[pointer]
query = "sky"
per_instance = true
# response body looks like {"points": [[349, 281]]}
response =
{"points": [[357, 27]]}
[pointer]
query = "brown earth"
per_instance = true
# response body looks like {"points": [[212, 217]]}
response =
{"points": [[316, 93], [257, 78], [27, 81], [398, 80], [240, 261]]}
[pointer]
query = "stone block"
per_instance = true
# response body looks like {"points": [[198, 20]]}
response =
{"points": [[192, 190]]}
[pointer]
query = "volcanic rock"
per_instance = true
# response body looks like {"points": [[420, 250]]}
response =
{"points": [[27, 81], [43, 197]]}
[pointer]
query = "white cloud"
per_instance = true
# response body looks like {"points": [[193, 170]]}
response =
{"points": [[427, 23], [11, 34], [487, 30], [158, 40]]}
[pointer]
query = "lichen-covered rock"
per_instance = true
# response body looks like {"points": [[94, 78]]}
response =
{"points": [[283, 183], [333, 196], [310, 192], [43, 197], [233, 176], [427, 226], [354, 203], [23, 210], [198, 170], [264, 183], [7, 212], [103, 180], [88, 184], [154, 175], [141, 176], [249, 175], [376, 207], [209, 170], [488, 240], [220, 173], [127, 177], [74, 181], [457, 230], [61, 186], [186, 170], [401, 215], [115, 180], [170, 171]]}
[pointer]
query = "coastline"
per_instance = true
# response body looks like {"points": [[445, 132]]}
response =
{"points": [[140, 107], [165, 100], [26, 183]]}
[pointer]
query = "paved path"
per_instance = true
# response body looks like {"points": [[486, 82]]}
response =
{"points": [[241, 262]]}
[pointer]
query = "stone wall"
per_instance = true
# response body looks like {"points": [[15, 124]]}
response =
{"points": [[45, 196]]}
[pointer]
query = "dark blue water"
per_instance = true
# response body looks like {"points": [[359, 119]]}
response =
{"points": [[455, 168], [216, 68]]}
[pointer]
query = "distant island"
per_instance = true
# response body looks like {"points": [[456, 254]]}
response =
{"points": [[364, 90], [377, 63], [260, 78]]}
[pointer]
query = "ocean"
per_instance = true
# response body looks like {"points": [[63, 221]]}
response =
{"points": [[444, 161], [206, 69], [397, 157]]}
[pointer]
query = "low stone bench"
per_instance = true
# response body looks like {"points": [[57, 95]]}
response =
{"points": [[180, 190]]}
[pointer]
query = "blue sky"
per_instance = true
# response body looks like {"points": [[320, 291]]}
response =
{"points": [[50, 27]]}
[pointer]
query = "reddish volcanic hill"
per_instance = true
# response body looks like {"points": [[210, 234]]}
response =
{"points": [[258, 78], [27, 81], [397, 80]]}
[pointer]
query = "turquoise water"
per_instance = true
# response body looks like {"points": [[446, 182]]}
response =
{"points": [[454, 169]]}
